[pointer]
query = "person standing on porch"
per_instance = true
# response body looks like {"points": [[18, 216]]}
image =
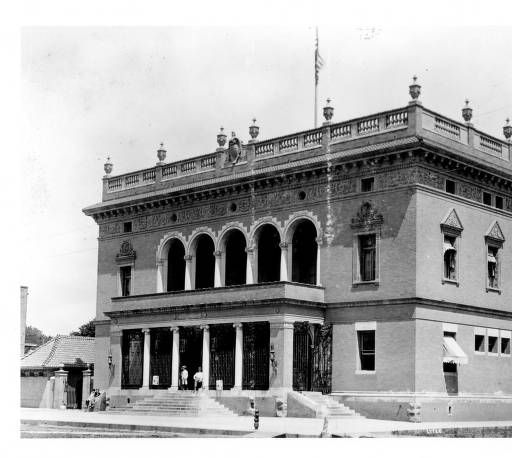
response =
{"points": [[184, 378], [198, 379]]}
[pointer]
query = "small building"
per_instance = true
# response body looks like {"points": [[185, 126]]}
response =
{"points": [[72, 354]]}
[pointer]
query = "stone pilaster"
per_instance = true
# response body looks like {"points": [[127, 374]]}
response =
{"points": [[146, 359], [206, 356], [86, 385], [238, 355], [60, 393]]}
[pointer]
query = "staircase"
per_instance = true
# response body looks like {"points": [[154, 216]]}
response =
{"points": [[329, 405], [177, 404]]}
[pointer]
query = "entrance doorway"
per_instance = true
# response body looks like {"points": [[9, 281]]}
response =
{"points": [[191, 351], [256, 356], [222, 355], [74, 388], [160, 358], [312, 357]]}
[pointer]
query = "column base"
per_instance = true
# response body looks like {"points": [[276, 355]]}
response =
{"points": [[173, 388], [236, 389]]}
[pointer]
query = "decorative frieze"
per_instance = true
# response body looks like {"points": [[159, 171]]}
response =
{"points": [[469, 191]]}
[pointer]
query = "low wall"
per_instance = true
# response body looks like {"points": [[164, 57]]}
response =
{"points": [[427, 409], [240, 405], [32, 390]]}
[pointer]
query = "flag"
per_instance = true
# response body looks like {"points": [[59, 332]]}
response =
{"points": [[319, 62]]}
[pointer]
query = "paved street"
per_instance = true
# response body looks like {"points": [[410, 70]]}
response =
{"points": [[75, 423]]}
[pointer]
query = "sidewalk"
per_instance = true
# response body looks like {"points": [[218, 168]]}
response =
{"points": [[242, 426]]}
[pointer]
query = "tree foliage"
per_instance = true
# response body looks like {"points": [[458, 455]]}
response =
{"points": [[86, 330], [36, 336]]}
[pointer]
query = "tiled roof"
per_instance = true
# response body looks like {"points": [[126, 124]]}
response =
{"points": [[61, 350]]}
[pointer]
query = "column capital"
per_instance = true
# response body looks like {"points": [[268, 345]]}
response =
{"points": [[175, 329], [146, 330], [237, 325], [159, 262], [281, 324], [205, 327], [283, 245], [249, 250], [187, 257], [319, 240], [217, 253]]}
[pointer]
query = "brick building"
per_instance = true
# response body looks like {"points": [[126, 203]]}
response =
{"points": [[369, 259]]}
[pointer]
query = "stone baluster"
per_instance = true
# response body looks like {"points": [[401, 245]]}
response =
{"points": [[238, 355], [175, 357], [206, 356], [145, 361]]}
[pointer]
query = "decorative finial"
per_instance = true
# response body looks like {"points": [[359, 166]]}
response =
{"points": [[233, 134], [221, 139], [507, 130], [467, 112], [161, 154], [107, 167], [254, 130], [328, 112], [414, 89]]}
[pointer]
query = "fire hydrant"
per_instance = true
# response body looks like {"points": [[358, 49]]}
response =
{"points": [[256, 419]]}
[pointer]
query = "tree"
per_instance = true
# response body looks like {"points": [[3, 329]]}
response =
{"points": [[86, 330], [36, 336]]}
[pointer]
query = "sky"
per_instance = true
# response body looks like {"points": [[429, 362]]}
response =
{"points": [[92, 92]]}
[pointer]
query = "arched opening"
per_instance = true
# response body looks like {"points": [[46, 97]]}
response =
{"points": [[205, 262], [236, 258], [175, 266], [304, 253], [269, 254]]}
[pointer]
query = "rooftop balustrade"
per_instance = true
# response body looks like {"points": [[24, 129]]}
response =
{"points": [[407, 121]]}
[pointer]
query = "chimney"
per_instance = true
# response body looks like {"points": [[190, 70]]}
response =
{"points": [[23, 320]]}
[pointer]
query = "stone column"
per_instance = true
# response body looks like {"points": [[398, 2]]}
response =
{"points": [[206, 356], [318, 251], [238, 355], [59, 392], [86, 385], [160, 277], [175, 357], [249, 275], [188, 272], [281, 341], [145, 361], [217, 281], [284, 261]]}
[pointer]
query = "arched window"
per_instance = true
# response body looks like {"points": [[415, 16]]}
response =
{"points": [[269, 254], [236, 258], [304, 253], [175, 266], [204, 262]]}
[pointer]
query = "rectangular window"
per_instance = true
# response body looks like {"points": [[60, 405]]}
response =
{"points": [[492, 344], [367, 257], [126, 278], [127, 227], [499, 202], [367, 184], [450, 257], [492, 267], [479, 341], [505, 343], [366, 343], [450, 186], [487, 198]]}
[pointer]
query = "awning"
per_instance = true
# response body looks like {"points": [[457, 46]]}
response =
{"points": [[491, 258], [448, 247], [452, 352]]}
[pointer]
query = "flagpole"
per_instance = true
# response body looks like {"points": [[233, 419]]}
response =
{"points": [[316, 78]]}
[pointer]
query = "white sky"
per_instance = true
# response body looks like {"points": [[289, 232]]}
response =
{"points": [[92, 92]]}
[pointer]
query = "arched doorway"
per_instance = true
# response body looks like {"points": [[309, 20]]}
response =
{"points": [[236, 258], [204, 262], [304, 253], [175, 266], [269, 254]]}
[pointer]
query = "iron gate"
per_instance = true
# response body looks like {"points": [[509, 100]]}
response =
{"points": [[312, 357], [161, 357], [133, 345], [222, 355], [255, 372]]}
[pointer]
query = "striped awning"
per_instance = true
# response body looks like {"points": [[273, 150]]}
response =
{"points": [[452, 352], [491, 258], [448, 247]]}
